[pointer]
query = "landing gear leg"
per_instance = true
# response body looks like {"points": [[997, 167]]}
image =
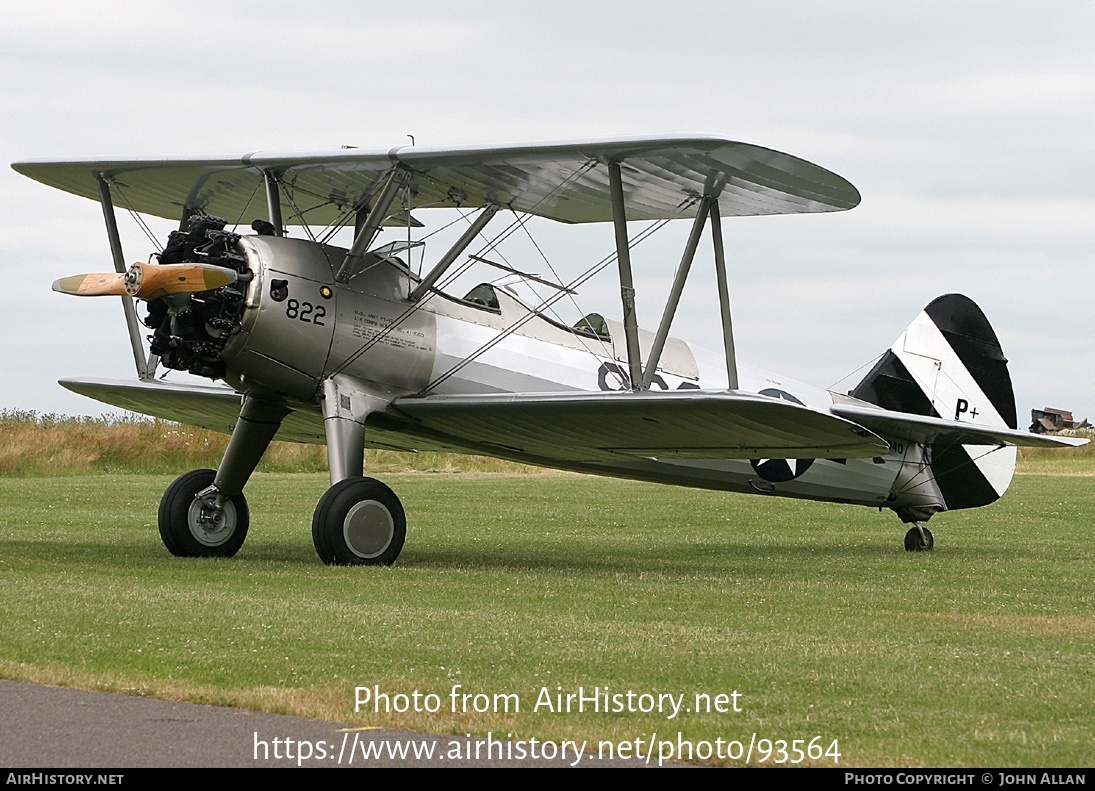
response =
{"points": [[204, 513], [919, 539], [359, 521]]}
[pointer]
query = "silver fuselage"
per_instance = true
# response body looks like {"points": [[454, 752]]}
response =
{"points": [[300, 326]]}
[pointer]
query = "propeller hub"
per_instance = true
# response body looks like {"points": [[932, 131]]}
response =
{"points": [[133, 279]]}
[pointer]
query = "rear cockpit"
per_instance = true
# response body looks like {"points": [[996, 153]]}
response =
{"points": [[593, 324], [483, 296], [498, 305]]}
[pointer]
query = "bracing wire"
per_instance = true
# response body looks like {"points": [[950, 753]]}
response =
{"points": [[547, 302], [581, 339], [246, 206], [848, 376], [288, 192], [137, 218], [383, 333]]}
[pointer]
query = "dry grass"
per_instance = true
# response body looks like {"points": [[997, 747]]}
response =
{"points": [[49, 444], [1060, 461]]}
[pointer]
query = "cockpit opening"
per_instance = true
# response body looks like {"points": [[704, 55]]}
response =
{"points": [[594, 324], [485, 296]]}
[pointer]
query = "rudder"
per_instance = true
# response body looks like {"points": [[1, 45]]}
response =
{"points": [[948, 363]]}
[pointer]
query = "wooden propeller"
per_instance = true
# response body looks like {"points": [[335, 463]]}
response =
{"points": [[148, 281]]}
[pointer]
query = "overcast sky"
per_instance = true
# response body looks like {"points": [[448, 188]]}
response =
{"points": [[969, 129]]}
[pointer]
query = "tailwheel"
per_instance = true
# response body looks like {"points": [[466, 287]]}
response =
{"points": [[919, 539], [196, 521], [359, 522]]}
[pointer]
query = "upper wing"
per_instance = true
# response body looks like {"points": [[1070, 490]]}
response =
{"points": [[927, 430], [584, 426], [561, 181]]}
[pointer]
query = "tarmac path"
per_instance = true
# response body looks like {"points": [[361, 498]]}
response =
{"points": [[45, 727]]}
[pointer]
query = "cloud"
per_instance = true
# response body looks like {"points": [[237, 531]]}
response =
{"points": [[969, 134]]}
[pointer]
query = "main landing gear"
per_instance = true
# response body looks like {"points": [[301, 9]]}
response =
{"points": [[358, 522], [919, 539], [204, 513]]}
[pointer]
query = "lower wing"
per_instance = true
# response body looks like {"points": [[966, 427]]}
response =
{"points": [[573, 426]]}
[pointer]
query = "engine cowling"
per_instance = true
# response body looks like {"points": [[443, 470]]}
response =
{"points": [[288, 319]]}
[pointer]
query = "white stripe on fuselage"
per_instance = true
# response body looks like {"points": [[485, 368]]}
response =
{"points": [[519, 363]]}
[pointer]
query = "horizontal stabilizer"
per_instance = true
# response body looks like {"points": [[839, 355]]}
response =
{"points": [[937, 431]]}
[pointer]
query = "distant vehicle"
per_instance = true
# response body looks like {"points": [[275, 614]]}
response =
{"points": [[350, 347]]}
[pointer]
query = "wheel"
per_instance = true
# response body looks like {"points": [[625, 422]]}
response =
{"points": [[190, 528], [359, 522], [913, 542]]}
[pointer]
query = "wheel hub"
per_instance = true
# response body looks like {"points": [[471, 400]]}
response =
{"points": [[210, 526], [368, 529]]}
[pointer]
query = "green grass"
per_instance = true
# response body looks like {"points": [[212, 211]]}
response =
{"points": [[981, 653]]}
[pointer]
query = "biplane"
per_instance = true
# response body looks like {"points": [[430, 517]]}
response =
{"points": [[352, 347]]}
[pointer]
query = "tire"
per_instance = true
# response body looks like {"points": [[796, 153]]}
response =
{"points": [[359, 522], [186, 534], [913, 543]]}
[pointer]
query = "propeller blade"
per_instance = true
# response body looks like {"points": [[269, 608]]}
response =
{"points": [[91, 285], [149, 281]]}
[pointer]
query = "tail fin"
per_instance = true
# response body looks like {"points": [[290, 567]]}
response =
{"points": [[948, 363]]}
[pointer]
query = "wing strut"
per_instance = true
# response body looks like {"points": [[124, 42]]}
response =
{"points": [[454, 252], [627, 283], [135, 341], [724, 297], [675, 293], [398, 178], [273, 201], [709, 210]]}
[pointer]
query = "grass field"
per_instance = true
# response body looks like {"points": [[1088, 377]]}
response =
{"points": [[981, 653]]}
